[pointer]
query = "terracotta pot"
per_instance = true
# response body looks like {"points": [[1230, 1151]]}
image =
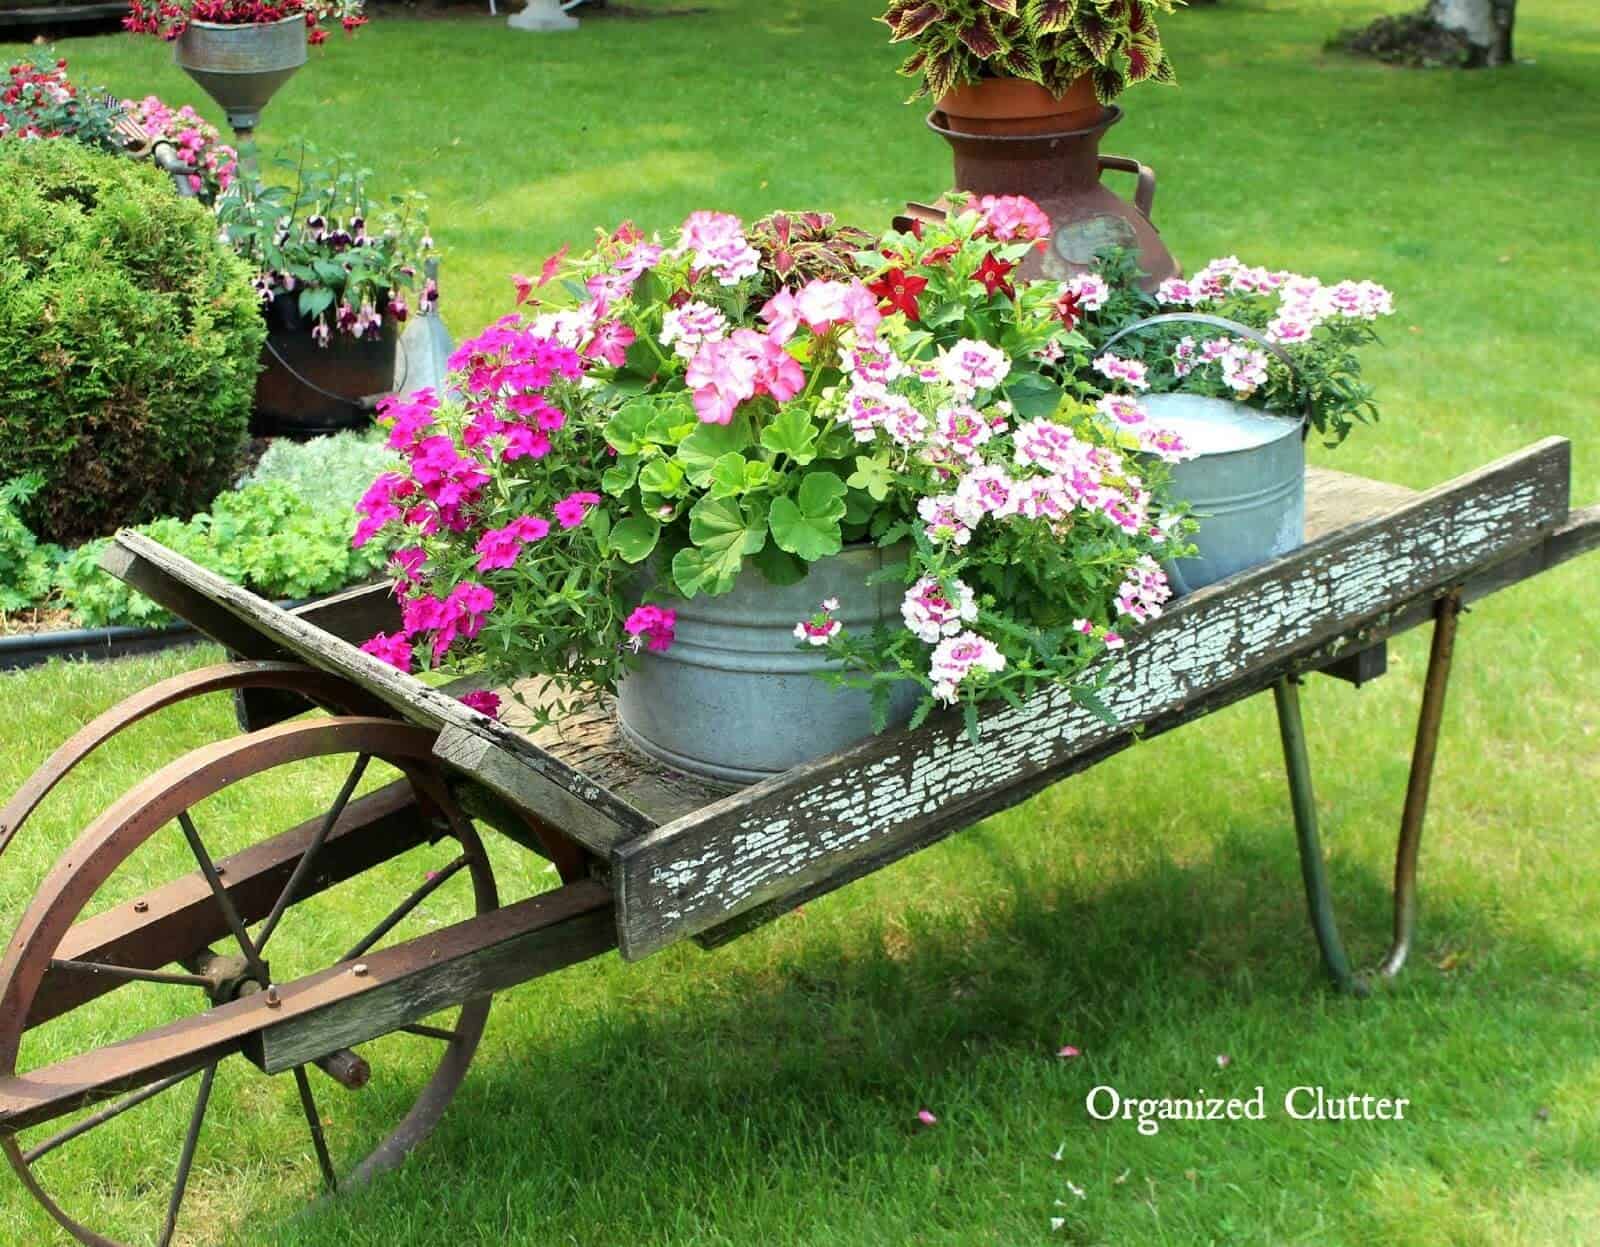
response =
{"points": [[1017, 106]]}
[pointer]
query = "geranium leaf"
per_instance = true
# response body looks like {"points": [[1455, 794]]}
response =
{"points": [[727, 476], [634, 538], [792, 434], [662, 476], [625, 431], [620, 476], [807, 525], [699, 452]]}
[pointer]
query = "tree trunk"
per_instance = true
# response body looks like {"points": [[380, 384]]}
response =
{"points": [[1485, 24]]}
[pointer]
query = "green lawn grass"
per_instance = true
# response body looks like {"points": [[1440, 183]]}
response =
{"points": [[1149, 912]]}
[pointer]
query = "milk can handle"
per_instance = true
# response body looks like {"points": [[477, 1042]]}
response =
{"points": [[1144, 194], [1217, 322]]}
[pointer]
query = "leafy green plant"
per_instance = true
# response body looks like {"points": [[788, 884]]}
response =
{"points": [[129, 341], [265, 536], [331, 257], [1051, 42], [37, 100], [25, 563]]}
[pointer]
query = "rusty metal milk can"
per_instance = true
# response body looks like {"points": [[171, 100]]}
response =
{"points": [[1061, 173]]}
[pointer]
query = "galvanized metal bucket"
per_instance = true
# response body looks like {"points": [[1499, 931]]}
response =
{"points": [[1247, 482], [734, 700], [241, 67]]}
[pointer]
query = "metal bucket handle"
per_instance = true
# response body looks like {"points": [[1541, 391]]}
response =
{"points": [[367, 403], [1233, 326]]}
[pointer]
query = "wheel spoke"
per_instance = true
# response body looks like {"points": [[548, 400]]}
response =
{"points": [[128, 972], [431, 1032], [104, 1115], [435, 880], [303, 867], [230, 911], [313, 1119], [186, 1161]]}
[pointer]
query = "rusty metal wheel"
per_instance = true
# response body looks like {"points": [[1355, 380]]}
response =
{"points": [[171, 914]]}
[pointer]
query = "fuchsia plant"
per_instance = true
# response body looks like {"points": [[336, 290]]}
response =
{"points": [[666, 427]]}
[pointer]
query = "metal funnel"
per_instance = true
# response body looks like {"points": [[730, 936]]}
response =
{"points": [[241, 67]]}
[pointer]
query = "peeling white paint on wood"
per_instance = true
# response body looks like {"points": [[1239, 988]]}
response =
{"points": [[771, 839]]}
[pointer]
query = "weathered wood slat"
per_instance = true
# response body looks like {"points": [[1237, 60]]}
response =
{"points": [[58, 1089], [249, 624], [802, 828], [465, 962]]}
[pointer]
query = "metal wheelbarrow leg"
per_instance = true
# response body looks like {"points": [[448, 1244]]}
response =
{"points": [[1319, 900]]}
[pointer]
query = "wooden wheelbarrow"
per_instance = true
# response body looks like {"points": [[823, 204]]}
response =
{"points": [[178, 945]]}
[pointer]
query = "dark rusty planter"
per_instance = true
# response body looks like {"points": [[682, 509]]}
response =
{"points": [[241, 67], [305, 389], [1061, 173]]}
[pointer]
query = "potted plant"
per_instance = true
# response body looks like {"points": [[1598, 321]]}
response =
{"points": [[889, 477], [337, 275], [196, 144], [1028, 66], [241, 51], [1243, 361]]}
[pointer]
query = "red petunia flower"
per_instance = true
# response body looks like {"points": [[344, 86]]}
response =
{"points": [[899, 290], [993, 273]]}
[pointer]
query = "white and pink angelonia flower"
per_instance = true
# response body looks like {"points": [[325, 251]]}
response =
{"points": [[821, 627], [957, 657], [930, 612], [1129, 371]]}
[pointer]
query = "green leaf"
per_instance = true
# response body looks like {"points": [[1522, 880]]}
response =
{"points": [[778, 567], [969, 716], [625, 431], [699, 452], [808, 524], [314, 300], [723, 532], [1034, 397], [873, 475], [727, 476], [792, 434], [662, 476], [619, 477], [635, 538]]}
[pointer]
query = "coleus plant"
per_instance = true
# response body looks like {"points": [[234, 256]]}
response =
{"points": [[1051, 42], [663, 428]]}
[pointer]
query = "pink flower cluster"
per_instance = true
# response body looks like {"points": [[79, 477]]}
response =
{"points": [[719, 245], [1012, 218], [1304, 302], [197, 142], [437, 621], [970, 366]]}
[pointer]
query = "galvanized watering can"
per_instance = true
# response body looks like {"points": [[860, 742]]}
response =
{"points": [[1246, 484]]}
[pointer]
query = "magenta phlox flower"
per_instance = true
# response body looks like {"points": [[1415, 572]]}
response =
{"points": [[941, 523], [407, 564], [652, 627], [483, 701], [821, 626], [985, 491], [570, 511], [956, 657], [523, 442], [1143, 591], [377, 506], [394, 650]]}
